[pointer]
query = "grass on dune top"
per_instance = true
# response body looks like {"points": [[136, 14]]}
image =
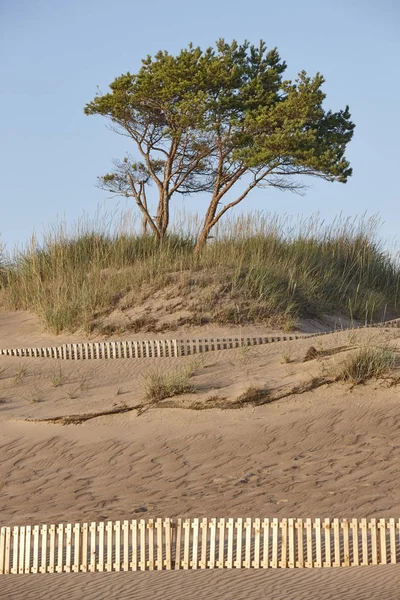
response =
{"points": [[259, 268]]}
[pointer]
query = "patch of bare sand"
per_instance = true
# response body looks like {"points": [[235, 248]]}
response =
{"points": [[353, 583]]}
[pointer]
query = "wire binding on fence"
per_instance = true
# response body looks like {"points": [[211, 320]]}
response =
{"points": [[160, 348], [216, 543]]}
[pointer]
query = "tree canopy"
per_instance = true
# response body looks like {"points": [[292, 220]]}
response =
{"points": [[220, 121]]}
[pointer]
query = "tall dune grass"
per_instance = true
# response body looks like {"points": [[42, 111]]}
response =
{"points": [[257, 268]]}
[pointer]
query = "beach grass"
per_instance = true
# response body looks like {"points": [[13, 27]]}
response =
{"points": [[258, 268]]}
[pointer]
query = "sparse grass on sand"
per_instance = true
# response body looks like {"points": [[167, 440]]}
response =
{"points": [[258, 268], [158, 385], [367, 363]]}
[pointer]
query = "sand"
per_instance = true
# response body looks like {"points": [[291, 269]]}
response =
{"points": [[354, 583], [330, 452]]}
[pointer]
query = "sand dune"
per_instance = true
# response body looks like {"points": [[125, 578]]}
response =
{"points": [[328, 452]]}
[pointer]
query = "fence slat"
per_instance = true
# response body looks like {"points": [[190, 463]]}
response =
{"points": [[392, 537], [142, 542], [168, 544], [15, 535], [213, 542], [364, 540], [178, 542], [186, 543], [68, 551], [275, 533], [100, 564], [84, 547], [159, 527], [327, 530], [27, 568], [284, 543], [292, 547], [150, 528], [117, 527], [93, 535], [77, 548], [257, 539], [35, 564], [336, 541], [266, 527], [134, 545], [43, 566], [247, 556], [60, 547], [229, 560], [204, 536], [374, 541], [309, 543], [221, 547], [239, 540], [7, 551], [318, 544], [300, 543], [382, 544], [52, 535], [21, 563], [346, 545], [195, 526], [354, 537]]}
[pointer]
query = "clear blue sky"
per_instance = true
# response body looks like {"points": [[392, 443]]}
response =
{"points": [[54, 54]]}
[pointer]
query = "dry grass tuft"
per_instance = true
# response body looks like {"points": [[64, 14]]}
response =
{"points": [[311, 354], [254, 396], [20, 374], [57, 377], [367, 363], [158, 385]]}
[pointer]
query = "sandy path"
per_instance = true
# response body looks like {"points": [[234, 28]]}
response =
{"points": [[360, 583]]}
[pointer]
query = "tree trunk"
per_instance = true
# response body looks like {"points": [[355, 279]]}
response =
{"points": [[201, 242], [208, 224]]}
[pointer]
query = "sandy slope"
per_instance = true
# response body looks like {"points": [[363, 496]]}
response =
{"points": [[329, 452]]}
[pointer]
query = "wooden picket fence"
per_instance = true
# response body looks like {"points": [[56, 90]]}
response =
{"points": [[140, 349], [163, 348], [166, 544]]}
